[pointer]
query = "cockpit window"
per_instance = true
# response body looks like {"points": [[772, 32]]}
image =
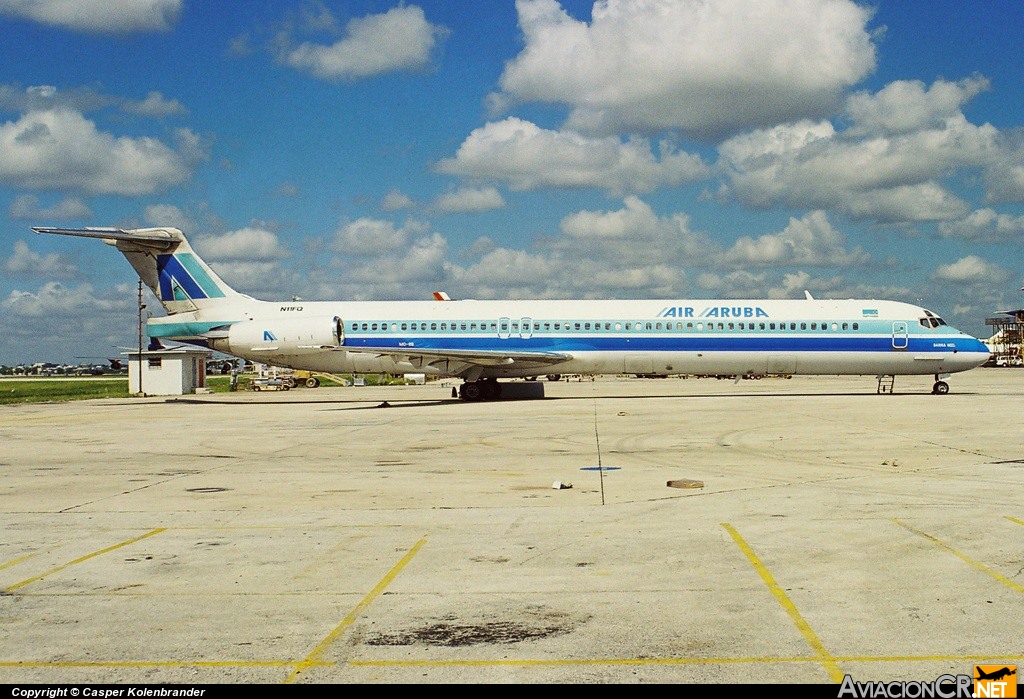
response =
{"points": [[931, 321]]}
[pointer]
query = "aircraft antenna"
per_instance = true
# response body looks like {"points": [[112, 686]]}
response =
{"points": [[597, 439]]}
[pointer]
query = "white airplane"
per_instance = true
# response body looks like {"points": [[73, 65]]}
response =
{"points": [[483, 341]]}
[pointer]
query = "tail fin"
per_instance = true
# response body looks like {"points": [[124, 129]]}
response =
{"points": [[166, 263]]}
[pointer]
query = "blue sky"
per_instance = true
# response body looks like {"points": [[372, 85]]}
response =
{"points": [[382, 150]]}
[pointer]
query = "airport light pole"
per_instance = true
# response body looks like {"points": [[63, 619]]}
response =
{"points": [[141, 307]]}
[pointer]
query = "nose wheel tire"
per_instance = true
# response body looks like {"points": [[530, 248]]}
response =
{"points": [[940, 388]]}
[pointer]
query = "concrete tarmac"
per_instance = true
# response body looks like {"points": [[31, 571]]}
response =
{"points": [[397, 535]]}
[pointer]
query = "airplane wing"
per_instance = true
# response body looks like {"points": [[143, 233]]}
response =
{"points": [[457, 361]]}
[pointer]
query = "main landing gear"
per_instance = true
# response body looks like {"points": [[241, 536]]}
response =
{"points": [[939, 388], [484, 389]]}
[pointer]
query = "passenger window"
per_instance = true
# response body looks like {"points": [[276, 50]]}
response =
{"points": [[856, 326], [803, 326], [689, 326], [576, 326], [504, 327], [648, 326], [846, 326], [433, 326], [373, 327], [792, 326], [761, 326], [558, 326], [586, 326], [618, 326], [658, 326], [814, 326], [700, 326]]}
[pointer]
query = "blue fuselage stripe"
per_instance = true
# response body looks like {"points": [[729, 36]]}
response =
{"points": [[828, 342]]}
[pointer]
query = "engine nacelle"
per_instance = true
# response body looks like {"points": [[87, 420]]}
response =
{"points": [[282, 336]]}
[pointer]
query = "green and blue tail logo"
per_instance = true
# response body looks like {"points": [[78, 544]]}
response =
{"points": [[182, 278]]}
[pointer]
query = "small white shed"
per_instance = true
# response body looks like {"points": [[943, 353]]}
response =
{"points": [[172, 371]]}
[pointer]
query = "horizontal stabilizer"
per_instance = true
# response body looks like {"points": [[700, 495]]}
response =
{"points": [[157, 237]]}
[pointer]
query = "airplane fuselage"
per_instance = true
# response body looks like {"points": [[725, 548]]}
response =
{"points": [[663, 337]]}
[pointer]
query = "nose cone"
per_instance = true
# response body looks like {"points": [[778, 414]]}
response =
{"points": [[970, 353]]}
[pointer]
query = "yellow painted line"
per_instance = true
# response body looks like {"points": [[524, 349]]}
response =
{"points": [[37, 578], [969, 561], [823, 656], [314, 656], [155, 663], [16, 561], [1016, 521]]}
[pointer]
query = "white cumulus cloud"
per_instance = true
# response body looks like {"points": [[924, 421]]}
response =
{"points": [[26, 208], [399, 39], [884, 168], [708, 69], [60, 149], [155, 105], [528, 157], [369, 236], [25, 261], [970, 270], [468, 200], [100, 16], [811, 240], [395, 200], [985, 225], [246, 244]]}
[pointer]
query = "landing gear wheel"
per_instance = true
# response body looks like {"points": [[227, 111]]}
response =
{"points": [[470, 391], [940, 388]]}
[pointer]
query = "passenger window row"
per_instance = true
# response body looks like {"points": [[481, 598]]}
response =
{"points": [[604, 326]]}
